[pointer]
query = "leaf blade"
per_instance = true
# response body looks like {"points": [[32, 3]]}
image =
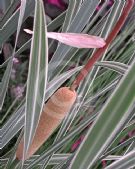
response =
{"points": [[108, 123], [37, 76]]}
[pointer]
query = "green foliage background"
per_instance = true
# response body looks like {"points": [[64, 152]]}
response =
{"points": [[93, 94]]}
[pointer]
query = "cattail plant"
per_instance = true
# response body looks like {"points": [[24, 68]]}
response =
{"points": [[61, 102], [76, 110]]}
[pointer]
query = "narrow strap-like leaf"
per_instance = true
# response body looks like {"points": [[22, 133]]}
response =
{"points": [[110, 121], [127, 161], [37, 76]]}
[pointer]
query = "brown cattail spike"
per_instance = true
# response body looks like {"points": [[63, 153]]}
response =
{"points": [[53, 113]]}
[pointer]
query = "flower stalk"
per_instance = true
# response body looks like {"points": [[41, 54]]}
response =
{"points": [[98, 54]]}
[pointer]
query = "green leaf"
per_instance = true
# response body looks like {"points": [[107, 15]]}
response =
{"points": [[9, 110], [11, 25], [54, 84], [56, 158], [4, 4], [9, 12], [127, 161], [115, 66], [5, 63], [12, 127], [109, 122], [69, 15], [5, 80], [4, 83], [130, 147], [58, 21], [120, 146], [103, 7], [107, 88], [107, 27], [12, 155], [37, 76]]}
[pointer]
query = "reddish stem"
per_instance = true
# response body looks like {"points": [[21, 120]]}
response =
{"points": [[97, 55]]}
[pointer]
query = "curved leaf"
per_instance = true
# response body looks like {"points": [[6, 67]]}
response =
{"points": [[116, 66]]}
